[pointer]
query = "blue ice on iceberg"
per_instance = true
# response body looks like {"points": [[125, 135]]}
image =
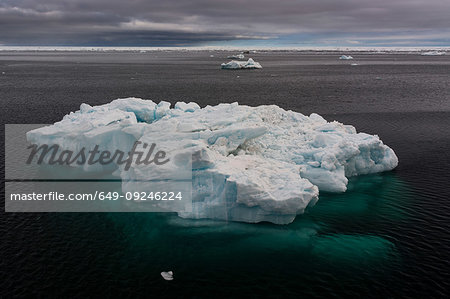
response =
{"points": [[249, 164]]}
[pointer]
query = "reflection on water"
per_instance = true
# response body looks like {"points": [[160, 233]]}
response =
{"points": [[367, 199]]}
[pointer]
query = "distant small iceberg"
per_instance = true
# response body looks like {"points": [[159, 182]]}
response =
{"points": [[433, 53], [345, 57], [235, 65], [167, 275], [238, 56]]}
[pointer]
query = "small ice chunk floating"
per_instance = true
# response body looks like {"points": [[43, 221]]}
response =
{"points": [[167, 275], [238, 56], [235, 65], [432, 53]]}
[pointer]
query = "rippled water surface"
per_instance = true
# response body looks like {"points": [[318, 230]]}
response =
{"points": [[388, 235]]}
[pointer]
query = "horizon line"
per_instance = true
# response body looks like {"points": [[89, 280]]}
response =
{"points": [[223, 48]]}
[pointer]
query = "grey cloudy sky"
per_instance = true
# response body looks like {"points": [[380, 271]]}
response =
{"points": [[209, 22]]}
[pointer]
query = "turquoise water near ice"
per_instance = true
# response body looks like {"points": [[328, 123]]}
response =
{"points": [[337, 240], [340, 244]]}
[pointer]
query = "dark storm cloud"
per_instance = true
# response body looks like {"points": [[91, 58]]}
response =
{"points": [[151, 22]]}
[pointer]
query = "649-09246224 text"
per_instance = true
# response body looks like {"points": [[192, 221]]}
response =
{"points": [[99, 195]]}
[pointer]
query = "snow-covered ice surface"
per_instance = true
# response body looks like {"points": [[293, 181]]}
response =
{"points": [[234, 65], [346, 57], [249, 164], [432, 53]]}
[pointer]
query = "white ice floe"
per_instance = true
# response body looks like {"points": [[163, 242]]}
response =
{"points": [[167, 275], [234, 65], [432, 53], [238, 56], [346, 57], [249, 164]]}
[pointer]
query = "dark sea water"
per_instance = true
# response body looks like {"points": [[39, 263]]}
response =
{"points": [[387, 236]]}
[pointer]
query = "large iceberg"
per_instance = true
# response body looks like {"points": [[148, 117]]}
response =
{"points": [[235, 65], [249, 164]]}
